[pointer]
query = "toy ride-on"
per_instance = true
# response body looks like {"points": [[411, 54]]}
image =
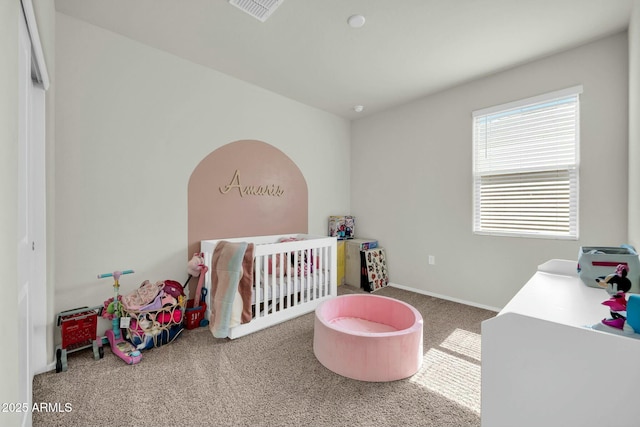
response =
{"points": [[120, 347]]}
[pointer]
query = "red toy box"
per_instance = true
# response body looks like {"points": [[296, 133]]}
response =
{"points": [[194, 316], [78, 329]]}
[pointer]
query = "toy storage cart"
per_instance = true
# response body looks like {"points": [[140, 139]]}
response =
{"points": [[78, 328]]}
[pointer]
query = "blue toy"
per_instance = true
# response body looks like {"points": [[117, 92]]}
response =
{"points": [[633, 314]]}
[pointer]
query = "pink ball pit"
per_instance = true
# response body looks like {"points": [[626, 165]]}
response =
{"points": [[368, 337]]}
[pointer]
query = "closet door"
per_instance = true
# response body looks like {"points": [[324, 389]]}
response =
{"points": [[25, 252]]}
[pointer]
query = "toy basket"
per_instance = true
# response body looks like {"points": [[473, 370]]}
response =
{"points": [[599, 261], [154, 328], [78, 329], [194, 316]]}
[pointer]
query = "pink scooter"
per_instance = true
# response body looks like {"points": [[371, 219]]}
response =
{"points": [[120, 347]]}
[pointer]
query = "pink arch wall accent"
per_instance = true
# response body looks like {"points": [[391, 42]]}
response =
{"points": [[245, 188]]}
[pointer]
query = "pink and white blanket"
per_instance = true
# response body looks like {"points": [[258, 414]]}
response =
{"points": [[231, 283]]}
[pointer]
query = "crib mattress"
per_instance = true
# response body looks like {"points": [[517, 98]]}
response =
{"points": [[295, 285]]}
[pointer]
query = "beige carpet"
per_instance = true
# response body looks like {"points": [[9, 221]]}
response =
{"points": [[272, 378]]}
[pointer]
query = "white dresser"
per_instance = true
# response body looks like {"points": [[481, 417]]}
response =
{"points": [[543, 366]]}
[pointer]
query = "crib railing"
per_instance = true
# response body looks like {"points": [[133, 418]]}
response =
{"points": [[290, 278], [289, 275]]}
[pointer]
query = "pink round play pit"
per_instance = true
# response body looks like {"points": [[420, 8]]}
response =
{"points": [[368, 337]]}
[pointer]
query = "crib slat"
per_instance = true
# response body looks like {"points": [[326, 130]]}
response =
{"points": [[268, 292], [325, 270], [318, 266], [303, 276], [294, 273], [256, 286], [309, 274], [273, 285], [290, 286], [273, 300], [280, 283]]}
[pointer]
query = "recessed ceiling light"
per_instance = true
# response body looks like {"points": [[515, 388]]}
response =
{"points": [[356, 21], [358, 108]]}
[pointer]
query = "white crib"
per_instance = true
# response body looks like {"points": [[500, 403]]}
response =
{"points": [[289, 291]]}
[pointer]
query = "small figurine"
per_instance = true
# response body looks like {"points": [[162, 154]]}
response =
{"points": [[616, 282], [617, 285]]}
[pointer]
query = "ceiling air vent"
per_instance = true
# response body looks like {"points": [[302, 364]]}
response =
{"points": [[259, 9]]}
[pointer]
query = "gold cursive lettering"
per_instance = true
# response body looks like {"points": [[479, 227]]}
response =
{"points": [[251, 190]]}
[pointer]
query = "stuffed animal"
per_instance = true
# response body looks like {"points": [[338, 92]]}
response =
{"points": [[197, 268], [625, 313], [281, 263], [195, 264], [165, 317], [618, 309], [616, 282], [617, 285]]}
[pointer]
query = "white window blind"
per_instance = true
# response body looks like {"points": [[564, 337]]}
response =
{"points": [[525, 166]]}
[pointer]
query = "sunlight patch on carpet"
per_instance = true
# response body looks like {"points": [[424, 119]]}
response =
{"points": [[452, 377], [463, 342]]}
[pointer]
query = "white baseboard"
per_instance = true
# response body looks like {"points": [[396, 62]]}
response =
{"points": [[50, 367], [445, 297]]}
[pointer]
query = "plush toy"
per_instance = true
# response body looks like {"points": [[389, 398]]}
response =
{"points": [[168, 300], [195, 264], [196, 267], [166, 317], [143, 330], [618, 309], [109, 312], [173, 288], [616, 282], [617, 285], [281, 263]]}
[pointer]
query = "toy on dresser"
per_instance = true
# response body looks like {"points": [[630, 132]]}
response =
{"points": [[625, 311], [343, 227]]}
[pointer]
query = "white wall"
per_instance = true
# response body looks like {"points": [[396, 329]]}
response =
{"points": [[411, 181], [132, 123], [9, 15]]}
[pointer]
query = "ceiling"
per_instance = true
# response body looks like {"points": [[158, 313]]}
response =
{"points": [[407, 49]]}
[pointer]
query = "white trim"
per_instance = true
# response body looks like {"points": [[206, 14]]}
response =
{"points": [[445, 297], [574, 90], [25, 222], [48, 368], [38, 298], [36, 46], [527, 235]]}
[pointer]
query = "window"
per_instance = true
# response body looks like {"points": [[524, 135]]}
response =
{"points": [[525, 167]]}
